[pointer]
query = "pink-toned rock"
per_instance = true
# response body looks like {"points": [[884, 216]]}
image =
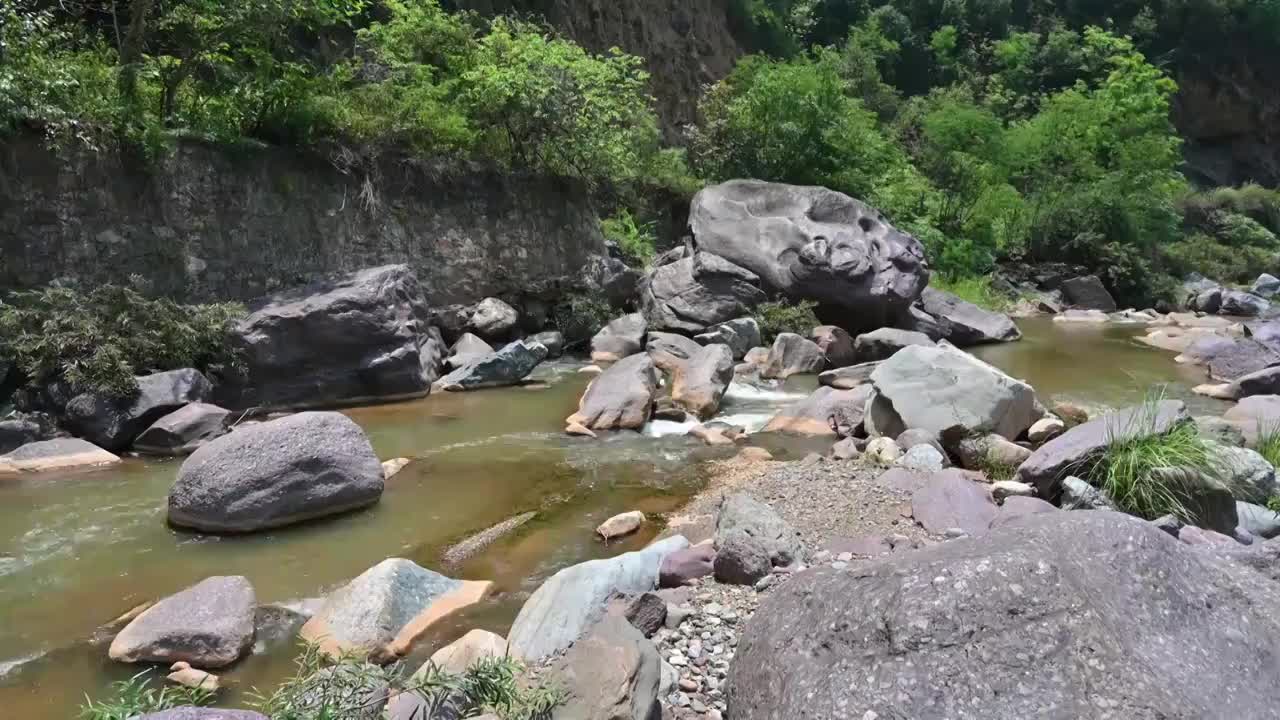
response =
{"points": [[621, 525]]}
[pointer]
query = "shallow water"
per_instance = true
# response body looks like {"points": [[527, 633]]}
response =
{"points": [[77, 550]]}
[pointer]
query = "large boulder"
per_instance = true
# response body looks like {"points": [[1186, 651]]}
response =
{"points": [[56, 454], [507, 366], [1248, 474], [949, 499], [1254, 414], [1259, 382], [836, 345], [748, 528], [1243, 304], [1266, 286], [209, 625], [383, 612], [493, 319], [701, 383], [815, 244], [276, 473], [552, 340], [669, 351], [1081, 445], [362, 337], [1124, 622], [621, 337], [1088, 292], [21, 429], [947, 391], [113, 423], [846, 378], [740, 335], [883, 343], [613, 673], [620, 398], [826, 411], [1229, 358], [961, 322], [459, 655], [692, 294], [572, 600], [793, 355], [184, 430], [465, 349]]}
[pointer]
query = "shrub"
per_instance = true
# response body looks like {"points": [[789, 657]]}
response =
{"points": [[783, 316], [1203, 254], [101, 339], [579, 316], [135, 697], [976, 290], [635, 240]]}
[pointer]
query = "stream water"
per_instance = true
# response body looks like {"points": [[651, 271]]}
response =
{"points": [[77, 550]]}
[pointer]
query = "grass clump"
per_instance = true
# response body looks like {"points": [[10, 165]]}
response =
{"points": [[136, 696], [578, 316], [1268, 445], [636, 240], [975, 289], [783, 316]]}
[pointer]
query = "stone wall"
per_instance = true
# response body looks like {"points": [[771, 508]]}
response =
{"points": [[207, 223]]}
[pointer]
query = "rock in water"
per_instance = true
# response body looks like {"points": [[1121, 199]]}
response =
{"points": [[793, 355], [620, 525], [467, 348], [1087, 292], [182, 431], [113, 423], [459, 655], [494, 319], [362, 337], [825, 412], [814, 244], [740, 335], [387, 608], [700, 384], [692, 294], [507, 366], [836, 345], [945, 390], [209, 625], [553, 341], [1244, 304], [963, 323], [1125, 618], [621, 337], [620, 398], [56, 454], [883, 343], [611, 674], [670, 352], [572, 600], [276, 473], [846, 378]]}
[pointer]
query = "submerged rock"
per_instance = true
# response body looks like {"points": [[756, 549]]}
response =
{"points": [[113, 423], [203, 713], [620, 525], [56, 454], [1087, 292], [473, 544], [209, 625], [507, 366], [620, 398], [184, 430]]}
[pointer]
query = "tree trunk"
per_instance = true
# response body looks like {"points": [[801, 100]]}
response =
{"points": [[131, 52]]}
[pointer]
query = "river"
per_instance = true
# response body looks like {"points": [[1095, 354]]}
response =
{"points": [[77, 550]]}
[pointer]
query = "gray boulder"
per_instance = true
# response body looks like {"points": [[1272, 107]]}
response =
{"points": [[572, 600], [1249, 476], [740, 335], [836, 345], [1084, 443], [113, 423], [814, 244], [55, 454], [1254, 413], [701, 383], [1078, 494], [209, 625], [1208, 501], [1258, 520], [467, 348], [276, 473], [793, 355], [1266, 286], [923, 459], [826, 411], [1219, 430], [695, 293], [949, 499], [621, 337], [1018, 508], [945, 391], [1106, 639], [669, 351], [883, 343], [493, 319], [366, 336], [747, 528], [1229, 358], [1242, 304], [184, 430], [552, 340], [613, 673], [683, 566], [741, 561], [620, 398], [1088, 292], [1208, 301], [20, 429], [846, 378], [1260, 382], [961, 322], [507, 366], [382, 612]]}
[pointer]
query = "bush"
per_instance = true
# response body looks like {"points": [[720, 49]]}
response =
{"points": [[1205, 255], [783, 316], [974, 289], [635, 240], [135, 697], [101, 339], [579, 316]]}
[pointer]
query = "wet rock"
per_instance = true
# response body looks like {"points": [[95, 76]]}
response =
{"points": [[56, 454], [494, 319], [740, 335], [1258, 520], [621, 337], [836, 345], [621, 525], [1083, 443], [113, 423], [950, 500], [1248, 474], [755, 454], [739, 561], [826, 411], [1045, 429], [1087, 292], [392, 467], [695, 293], [963, 323], [1243, 304], [1153, 648], [383, 611], [683, 566], [209, 625], [923, 459], [458, 553], [573, 599], [620, 398], [700, 384], [276, 473], [1229, 358], [710, 435], [1070, 413], [553, 341], [459, 655], [1081, 316], [184, 430], [846, 378], [507, 366], [883, 343], [468, 347], [611, 674], [1080, 495], [945, 390], [793, 355], [747, 529]]}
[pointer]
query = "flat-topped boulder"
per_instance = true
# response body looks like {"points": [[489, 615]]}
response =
{"points": [[881, 344], [266, 475], [387, 608], [184, 430], [697, 292], [670, 351], [963, 323], [209, 625], [113, 423], [846, 378], [621, 337], [55, 454], [507, 366], [620, 398]]}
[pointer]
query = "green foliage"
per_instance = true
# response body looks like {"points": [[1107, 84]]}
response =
{"points": [[783, 316], [136, 696], [1268, 442], [100, 339], [579, 316], [974, 289], [636, 240]]}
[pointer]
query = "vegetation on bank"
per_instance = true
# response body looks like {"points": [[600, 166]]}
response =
{"points": [[785, 316], [137, 696]]}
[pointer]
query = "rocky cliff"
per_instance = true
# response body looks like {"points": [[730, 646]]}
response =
{"points": [[1230, 118], [205, 223]]}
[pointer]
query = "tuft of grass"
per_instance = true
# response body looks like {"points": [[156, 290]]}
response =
{"points": [[783, 316], [636, 240], [137, 696], [997, 471], [1268, 445], [975, 289]]}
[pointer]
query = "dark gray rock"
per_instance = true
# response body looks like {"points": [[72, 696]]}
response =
{"points": [[507, 366], [113, 423], [692, 294], [740, 561], [1088, 292], [276, 473], [646, 612], [1080, 495], [683, 566], [836, 345], [203, 713], [1208, 501], [493, 320], [1229, 358], [1206, 301], [611, 674], [184, 430], [883, 343], [1017, 508], [1259, 521], [949, 499], [552, 340], [1246, 473], [360, 338], [1077, 447], [961, 322], [623, 336], [700, 384], [793, 355], [1126, 619], [826, 411], [1266, 286], [747, 529], [846, 378], [20, 429], [1259, 382], [1242, 304], [740, 335], [620, 398], [209, 625], [467, 348], [815, 244]]}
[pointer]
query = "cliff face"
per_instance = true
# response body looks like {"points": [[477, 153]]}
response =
{"points": [[208, 224], [1229, 116], [686, 43]]}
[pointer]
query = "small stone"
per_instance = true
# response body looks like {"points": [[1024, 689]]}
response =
{"points": [[697, 706], [839, 565], [845, 557], [688, 684], [953, 533], [764, 583], [1011, 488]]}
